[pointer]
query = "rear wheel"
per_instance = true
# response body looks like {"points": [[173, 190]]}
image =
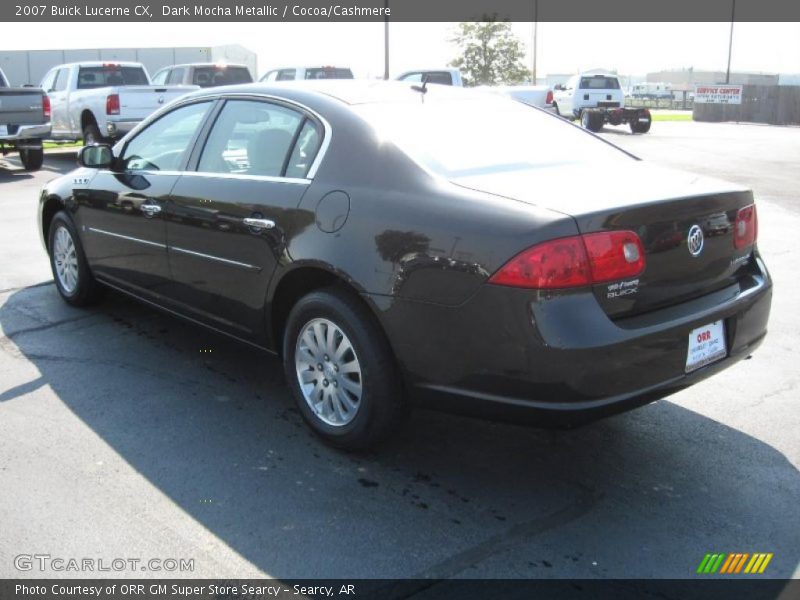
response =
{"points": [[555, 108], [71, 273], [641, 126], [32, 158], [591, 120], [341, 370]]}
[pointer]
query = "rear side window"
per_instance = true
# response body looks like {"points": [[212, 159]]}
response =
{"points": [[105, 75], [305, 150], [599, 83], [329, 73], [214, 76], [162, 144], [250, 138]]}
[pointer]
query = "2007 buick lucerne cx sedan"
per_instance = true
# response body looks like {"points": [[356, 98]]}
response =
{"points": [[401, 245]]}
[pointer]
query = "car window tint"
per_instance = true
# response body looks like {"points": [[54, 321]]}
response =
{"points": [[250, 138], [219, 75], [162, 144], [599, 83], [304, 150], [105, 75]]}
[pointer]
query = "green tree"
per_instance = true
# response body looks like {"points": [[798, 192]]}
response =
{"points": [[490, 53]]}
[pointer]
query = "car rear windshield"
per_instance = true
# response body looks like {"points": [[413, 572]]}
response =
{"points": [[480, 136], [95, 77], [329, 73], [214, 76], [598, 82]]}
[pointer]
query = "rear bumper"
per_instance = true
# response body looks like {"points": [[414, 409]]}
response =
{"points": [[119, 128], [516, 354], [25, 133]]}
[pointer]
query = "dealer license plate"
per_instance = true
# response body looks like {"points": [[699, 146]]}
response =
{"points": [[706, 345]]}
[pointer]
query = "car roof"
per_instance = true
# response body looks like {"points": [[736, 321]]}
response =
{"points": [[204, 64], [348, 91], [101, 63]]}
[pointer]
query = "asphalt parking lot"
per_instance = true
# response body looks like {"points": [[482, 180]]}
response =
{"points": [[125, 433]]}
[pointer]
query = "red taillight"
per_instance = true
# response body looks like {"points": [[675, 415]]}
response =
{"points": [[614, 255], [745, 231], [112, 104], [575, 261], [46, 106], [549, 98]]}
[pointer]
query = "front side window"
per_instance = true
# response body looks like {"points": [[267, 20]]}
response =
{"points": [[251, 138], [220, 75], [162, 145], [105, 75]]}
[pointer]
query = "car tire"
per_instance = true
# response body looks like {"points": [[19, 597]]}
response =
{"points": [[73, 279], [555, 108], [591, 120], [91, 135], [641, 127], [32, 159], [341, 370]]}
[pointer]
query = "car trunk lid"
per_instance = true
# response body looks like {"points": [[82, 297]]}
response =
{"points": [[661, 206], [20, 106]]}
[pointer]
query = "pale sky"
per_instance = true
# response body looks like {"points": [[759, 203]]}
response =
{"points": [[630, 48]]}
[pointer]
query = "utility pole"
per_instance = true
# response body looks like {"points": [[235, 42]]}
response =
{"points": [[730, 42], [535, 29], [386, 42]]}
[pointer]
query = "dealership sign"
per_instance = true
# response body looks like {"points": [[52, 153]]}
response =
{"points": [[718, 94]]}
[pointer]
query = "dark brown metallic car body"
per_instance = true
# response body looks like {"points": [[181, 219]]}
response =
{"points": [[419, 253]]}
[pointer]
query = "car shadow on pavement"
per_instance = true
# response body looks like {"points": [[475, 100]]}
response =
{"points": [[209, 423], [55, 161]]}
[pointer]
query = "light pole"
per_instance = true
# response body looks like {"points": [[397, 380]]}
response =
{"points": [[535, 30], [730, 42], [386, 42]]}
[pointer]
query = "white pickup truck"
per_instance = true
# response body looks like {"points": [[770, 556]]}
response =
{"points": [[597, 99], [98, 101], [24, 121], [540, 96]]}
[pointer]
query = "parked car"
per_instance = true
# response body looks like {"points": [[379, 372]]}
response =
{"points": [[444, 76], [24, 122], [203, 75], [97, 101], [540, 96], [596, 99], [391, 255], [303, 73]]}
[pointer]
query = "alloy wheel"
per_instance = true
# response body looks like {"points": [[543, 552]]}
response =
{"points": [[65, 259]]}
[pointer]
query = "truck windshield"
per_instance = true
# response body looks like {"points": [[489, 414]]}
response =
{"points": [[329, 73], [105, 75], [598, 82], [477, 136], [219, 75]]}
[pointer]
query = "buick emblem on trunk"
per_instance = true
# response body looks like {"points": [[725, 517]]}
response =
{"points": [[695, 240]]}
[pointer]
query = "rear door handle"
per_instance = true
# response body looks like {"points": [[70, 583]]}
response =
{"points": [[258, 223]]}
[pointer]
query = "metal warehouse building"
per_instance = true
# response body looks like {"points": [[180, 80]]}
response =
{"points": [[27, 67]]}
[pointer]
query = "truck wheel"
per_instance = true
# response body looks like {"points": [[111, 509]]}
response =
{"points": [[593, 121], [32, 159], [555, 108], [91, 135], [638, 126]]}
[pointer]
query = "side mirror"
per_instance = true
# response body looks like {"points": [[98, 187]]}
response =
{"points": [[558, 87], [97, 156]]}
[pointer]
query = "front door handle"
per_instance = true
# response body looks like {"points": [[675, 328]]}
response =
{"points": [[258, 223]]}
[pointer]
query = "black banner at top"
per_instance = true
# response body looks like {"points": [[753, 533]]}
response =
{"points": [[398, 10]]}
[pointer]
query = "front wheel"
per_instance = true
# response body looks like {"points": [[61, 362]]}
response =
{"points": [[71, 273], [31, 158], [341, 370]]}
